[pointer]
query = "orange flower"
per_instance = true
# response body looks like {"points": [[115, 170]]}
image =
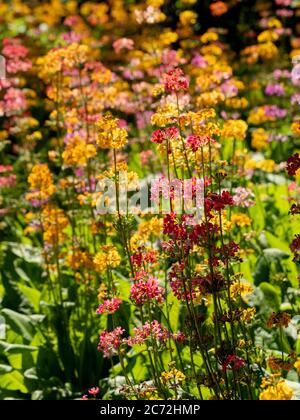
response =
{"points": [[218, 8]]}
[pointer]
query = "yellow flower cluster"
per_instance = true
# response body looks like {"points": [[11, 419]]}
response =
{"points": [[41, 182], [54, 221], [295, 127], [80, 259], [237, 103], [266, 165], [107, 258], [248, 314], [173, 375], [258, 116], [77, 152], [267, 50], [297, 365], [234, 129], [152, 227], [240, 289], [275, 389], [268, 36], [102, 292], [109, 135], [259, 139], [211, 98], [240, 220], [209, 36], [188, 17], [57, 59], [165, 115]]}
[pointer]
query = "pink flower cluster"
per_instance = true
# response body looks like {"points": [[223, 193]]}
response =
{"points": [[159, 136], [195, 142], [175, 80], [123, 44], [16, 54], [152, 330], [243, 197], [9, 180], [109, 306], [109, 342], [146, 289]]}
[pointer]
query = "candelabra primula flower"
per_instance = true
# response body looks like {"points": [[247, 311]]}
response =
{"points": [[173, 376], [109, 306], [275, 388], [107, 258], [41, 183], [145, 290], [109, 134], [78, 152], [109, 342], [175, 80], [54, 222], [260, 139], [234, 129], [150, 330], [296, 128]]}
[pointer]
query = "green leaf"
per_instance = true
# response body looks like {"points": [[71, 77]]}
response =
{"points": [[19, 323], [13, 381], [271, 296], [33, 295], [262, 271], [27, 252], [15, 348], [257, 212], [274, 254], [5, 369]]}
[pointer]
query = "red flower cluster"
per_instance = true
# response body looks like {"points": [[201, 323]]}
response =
{"points": [[218, 201], [176, 228], [139, 258], [159, 136], [195, 142], [295, 247], [233, 362]]}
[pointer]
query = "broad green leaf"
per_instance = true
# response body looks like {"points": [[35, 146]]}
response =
{"points": [[271, 296], [27, 252], [5, 369], [13, 381], [19, 323], [33, 295], [15, 348]]}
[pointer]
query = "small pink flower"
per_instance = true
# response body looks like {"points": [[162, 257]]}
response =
{"points": [[147, 290], [152, 330], [194, 142], [109, 306], [175, 80], [146, 156], [94, 391], [123, 44], [109, 342]]}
